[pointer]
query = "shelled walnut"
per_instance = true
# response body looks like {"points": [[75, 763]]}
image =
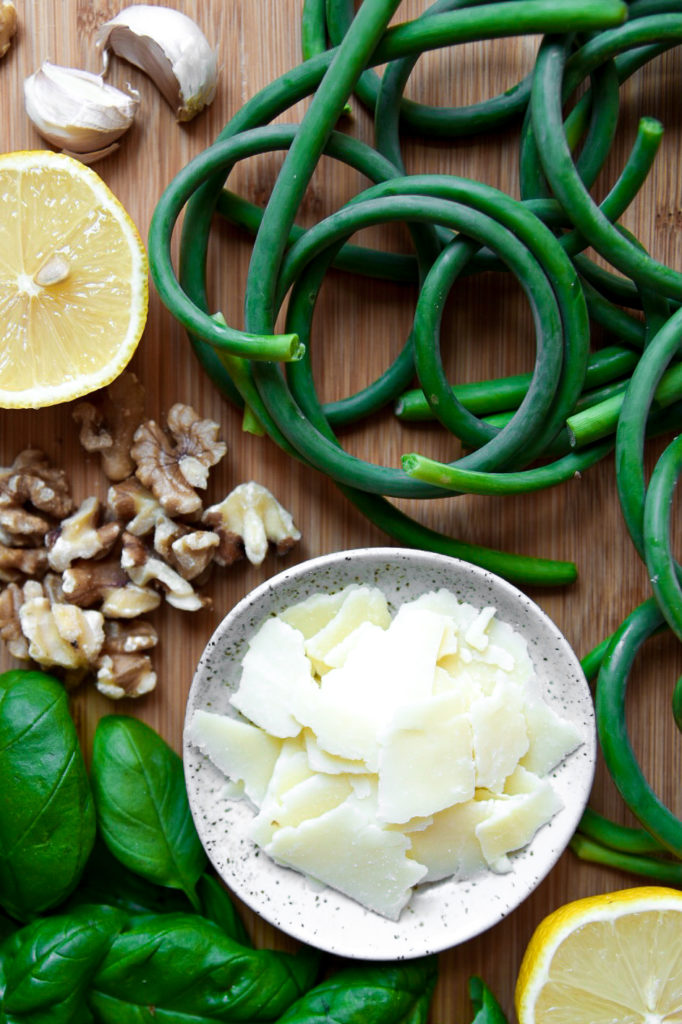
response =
{"points": [[144, 567], [123, 669], [59, 635], [134, 506], [107, 584], [81, 536], [107, 425], [78, 581], [34, 496], [173, 466], [31, 480], [187, 550], [16, 563], [11, 600], [246, 521]]}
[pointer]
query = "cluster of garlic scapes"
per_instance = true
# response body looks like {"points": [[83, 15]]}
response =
{"points": [[77, 583], [85, 117]]}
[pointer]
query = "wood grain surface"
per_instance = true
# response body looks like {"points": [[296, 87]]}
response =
{"points": [[359, 326]]}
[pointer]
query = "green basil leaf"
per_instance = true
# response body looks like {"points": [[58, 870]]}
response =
{"points": [[6, 954], [47, 820], [8, 679], [7, 927], [182, 967], [106, 881], [217, 906], [50, 962], [488, 1010], [142, 808], [391, 993], [73, 1010]]}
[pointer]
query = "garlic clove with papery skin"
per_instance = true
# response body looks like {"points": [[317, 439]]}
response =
{"points": [[77, 110], [170, 48]]}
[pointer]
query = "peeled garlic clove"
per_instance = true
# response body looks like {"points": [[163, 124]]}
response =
{"points": [[8, 25], [77, 110], [170, 48]]}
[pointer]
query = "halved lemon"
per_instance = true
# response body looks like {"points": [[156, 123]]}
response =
{"points": [[611, 959], [73, 281]]}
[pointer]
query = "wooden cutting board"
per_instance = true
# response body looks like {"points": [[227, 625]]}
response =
{"points": [[359, 326]]}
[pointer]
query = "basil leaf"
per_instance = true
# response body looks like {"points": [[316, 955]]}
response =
{"points": [[391, 993], [49, 963], [483, 1001], [7, 927], [47, 820], [142, 808], [182, 967], [217, 906], [106, 881], [71, 1011]]}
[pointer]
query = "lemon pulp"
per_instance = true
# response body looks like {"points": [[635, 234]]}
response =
{"points": [[73, 281], [613, 959]]}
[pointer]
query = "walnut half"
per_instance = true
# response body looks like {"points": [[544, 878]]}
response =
{"points": [[107, 585], [60, 635], [33, 494], [172, 468], [144, 568], [123, 669], [80, 536], [247, 520], [11, 600], [32, 480], [107, 426]]}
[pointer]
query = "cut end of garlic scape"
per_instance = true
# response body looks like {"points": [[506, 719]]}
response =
{"points": [[170, 48], [8, 25], [77, 110]]}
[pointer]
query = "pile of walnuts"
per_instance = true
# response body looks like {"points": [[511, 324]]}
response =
{"points": [[78, 581]]}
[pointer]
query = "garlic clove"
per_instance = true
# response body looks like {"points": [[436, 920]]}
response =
{"points": [[170, 48], [8, 25], [77, 110], [94, 156]]}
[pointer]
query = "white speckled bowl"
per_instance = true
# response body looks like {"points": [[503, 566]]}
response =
{"points": [[439, 915]]}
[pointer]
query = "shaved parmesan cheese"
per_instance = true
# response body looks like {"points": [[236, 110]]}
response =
{"points": [[345, 849], [321, 760], [500, 736], [307, 799], [476, 635], [243, 752], [551, 738], [450, 846], [276, 678], [513, 821], [426, 760], [290, 769], [313, 614], [388, 752], [442, 602], [360, 604]]}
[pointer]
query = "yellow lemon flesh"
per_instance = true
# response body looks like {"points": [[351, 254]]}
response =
{"points": [[73, 281], [611, 959]]}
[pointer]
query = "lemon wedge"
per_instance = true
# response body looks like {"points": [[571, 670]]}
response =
{"points": [[610, 959], [73, 281]]}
